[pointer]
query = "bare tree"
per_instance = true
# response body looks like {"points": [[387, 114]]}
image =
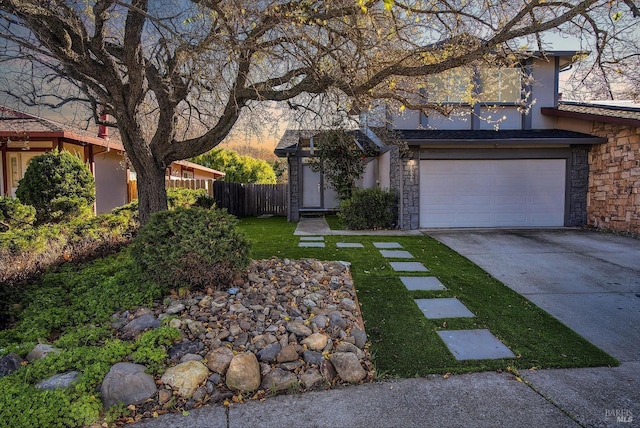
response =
{"points": [[194, 66]]}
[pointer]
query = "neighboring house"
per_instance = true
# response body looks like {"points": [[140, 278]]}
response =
{"points": [[23, 136], [462, 169], [614, 167]]}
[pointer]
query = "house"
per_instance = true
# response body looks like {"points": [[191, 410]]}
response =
{"points": [[494, 161], [613, 201], [24, 136]]}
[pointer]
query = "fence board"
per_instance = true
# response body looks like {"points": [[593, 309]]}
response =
{"points": [[241, 200]]}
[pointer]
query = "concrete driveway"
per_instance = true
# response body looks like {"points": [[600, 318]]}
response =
{"points": [[588, 280]]}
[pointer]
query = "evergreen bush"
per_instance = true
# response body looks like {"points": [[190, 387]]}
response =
{"points": [[369, 209], [15, 215], [191, 247], [58, 185]]}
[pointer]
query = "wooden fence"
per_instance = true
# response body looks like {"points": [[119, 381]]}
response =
{"points": [[241, 200]]}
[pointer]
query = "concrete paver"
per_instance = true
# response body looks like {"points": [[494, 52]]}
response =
{"points": [[387, 245], [395, 254], [408, 267], [311, 244], [349, 245], [312, 238], [427, 283], [443, 308], [474, 344]]}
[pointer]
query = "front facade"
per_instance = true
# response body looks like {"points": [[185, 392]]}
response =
{"points": [[494, 162], [24, 136], [614, 167]]}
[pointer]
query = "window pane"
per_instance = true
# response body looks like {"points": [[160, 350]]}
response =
{"points": [[451, 86], [500, 85]]}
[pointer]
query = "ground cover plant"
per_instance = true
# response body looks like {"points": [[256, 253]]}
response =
{"points": [[403, 342], [71, 307]]}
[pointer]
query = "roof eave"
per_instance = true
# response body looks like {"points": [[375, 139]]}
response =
{"points": [[553, 111], [508, 141]]}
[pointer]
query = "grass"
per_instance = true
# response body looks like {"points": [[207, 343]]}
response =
{"points": [[334, 222], [406, 344]]}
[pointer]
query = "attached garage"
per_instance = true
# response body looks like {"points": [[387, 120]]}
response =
{"points": [[492, 193]]}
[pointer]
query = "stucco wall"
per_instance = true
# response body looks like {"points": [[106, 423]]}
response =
{"points": [[614, 180], [111, 181]]}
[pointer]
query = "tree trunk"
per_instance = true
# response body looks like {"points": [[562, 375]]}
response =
{"points": [[152, 194]]}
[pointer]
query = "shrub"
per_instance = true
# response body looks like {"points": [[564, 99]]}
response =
{"points": [[15, 215], [192, 247], [58, 185], [369, 209]]}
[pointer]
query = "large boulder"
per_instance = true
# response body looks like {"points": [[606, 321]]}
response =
{"points": [[9, 364], [41, 350], [243, 373], [185, 378], [348, 366], [59, 381], [127, 383]]}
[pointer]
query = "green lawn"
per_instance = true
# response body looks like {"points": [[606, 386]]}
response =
{"points": [[403, 342]]}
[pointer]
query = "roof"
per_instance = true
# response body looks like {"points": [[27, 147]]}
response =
{"points": [[14, 123], [507, 136], [200, 167], [623, 113], [290, 140]]}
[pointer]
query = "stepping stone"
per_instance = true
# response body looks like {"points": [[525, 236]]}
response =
{"points": [[349, 245], [387, 245], [312, 238], [443, 308], [474, 345], [390, 254], [408, 267], [311, 244], [414, 283]]}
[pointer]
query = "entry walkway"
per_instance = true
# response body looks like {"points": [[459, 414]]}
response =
{"points": [[316, 226]]}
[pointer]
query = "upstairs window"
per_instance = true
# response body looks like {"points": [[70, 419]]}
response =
{"points": [[500, 85], [453, 86]]}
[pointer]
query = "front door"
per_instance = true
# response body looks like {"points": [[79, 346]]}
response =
{"points": [[311, 188], [18, 162]]}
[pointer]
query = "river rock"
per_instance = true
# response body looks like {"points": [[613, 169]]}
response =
{"points": [[360, 337], [219, 359], [286, 354], [278, 380], [269, 353], [127, 383], [59, 381], [298, 328], [348, 347], [312, 358], [186, 378], [310, 377], [316, 341], [140, 324], [336, 319], [243, 373], [9, 364], [348, 366], [348, 305], [179, 350]]}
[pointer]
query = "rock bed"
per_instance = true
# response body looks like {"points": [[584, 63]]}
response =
{"points": [[287, 325]]}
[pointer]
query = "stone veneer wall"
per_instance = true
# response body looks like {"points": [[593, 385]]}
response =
{"points": [[614, 179], [294, 189], [579, 185], [410, 195]]}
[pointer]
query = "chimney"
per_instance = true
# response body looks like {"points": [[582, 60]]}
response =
{"points": [[103, 130]]}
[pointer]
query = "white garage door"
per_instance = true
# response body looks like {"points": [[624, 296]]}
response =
{"points": [[492, 193]]}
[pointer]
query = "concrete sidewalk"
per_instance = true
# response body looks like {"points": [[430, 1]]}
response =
{"points": [[317, 226]]}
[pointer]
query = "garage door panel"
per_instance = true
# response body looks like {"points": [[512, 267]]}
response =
{"points": [[492, 193]]}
